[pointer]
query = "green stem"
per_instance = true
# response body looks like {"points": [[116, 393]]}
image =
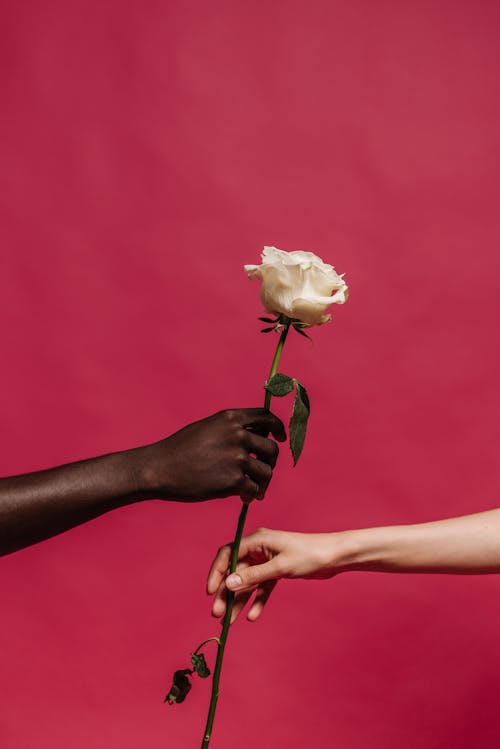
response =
{"points": [[276, 361], [210, 639], [234, 561]]}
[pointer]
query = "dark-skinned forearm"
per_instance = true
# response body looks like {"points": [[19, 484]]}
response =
{"points": [[35, 506], [219, 456]]}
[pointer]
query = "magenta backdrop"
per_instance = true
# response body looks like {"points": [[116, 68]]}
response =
{"points": [[148, 151]]}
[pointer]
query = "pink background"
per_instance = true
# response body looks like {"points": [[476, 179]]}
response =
{"points": [[149, 150]]}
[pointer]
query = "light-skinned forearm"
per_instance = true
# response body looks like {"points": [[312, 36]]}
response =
{"points": [[461, 545]]}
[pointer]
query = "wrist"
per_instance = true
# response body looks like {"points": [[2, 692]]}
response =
{"points": [[150, 474], [377, 549], [141, 474], [356, 550]]}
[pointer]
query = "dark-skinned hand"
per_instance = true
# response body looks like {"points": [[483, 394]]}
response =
{"points": [[225, 454], [222, 455]]}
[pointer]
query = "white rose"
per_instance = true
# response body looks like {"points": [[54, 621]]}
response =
{"points": [[298, 284]]}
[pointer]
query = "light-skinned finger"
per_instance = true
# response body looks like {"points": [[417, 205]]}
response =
{"points": [[261, 598], [218, 568], [240, 602], [249, 546], [219, 602], [220, 599]]}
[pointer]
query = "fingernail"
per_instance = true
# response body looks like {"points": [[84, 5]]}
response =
{"points": [[233, 581]]}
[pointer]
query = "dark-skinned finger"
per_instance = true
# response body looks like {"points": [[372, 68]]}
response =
{"points": [[263, 448], [249, 488], [263, 421], [259, 472]]}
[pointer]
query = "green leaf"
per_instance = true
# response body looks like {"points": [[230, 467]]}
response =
{"points": [[200, 665], [180, 687], [269, 319], [266, 330], [298, 421], [280, 385]]}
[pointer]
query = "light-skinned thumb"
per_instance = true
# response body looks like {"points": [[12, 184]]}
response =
{"points": [[252, 576]]}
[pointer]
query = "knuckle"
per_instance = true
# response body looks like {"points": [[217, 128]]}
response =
{"points": [[241, 434], [249, 576], [235, 483], [262, 532], [230, 415], [281, 568], [240, 457], [253, 490], [240, 482]]}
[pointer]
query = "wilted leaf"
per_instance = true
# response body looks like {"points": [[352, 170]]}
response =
{"points": [[200, 665], [180, 687]]}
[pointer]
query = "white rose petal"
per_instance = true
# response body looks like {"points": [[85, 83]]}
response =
{"points": [[298, 284]]}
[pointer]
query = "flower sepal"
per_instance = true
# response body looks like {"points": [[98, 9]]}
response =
{"points": [[276, 325]]}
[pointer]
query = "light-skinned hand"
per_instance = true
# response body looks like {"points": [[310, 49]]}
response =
{"points": [[265, 557]]}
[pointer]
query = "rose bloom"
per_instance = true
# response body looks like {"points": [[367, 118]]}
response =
{"points": [[298, 284]]}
